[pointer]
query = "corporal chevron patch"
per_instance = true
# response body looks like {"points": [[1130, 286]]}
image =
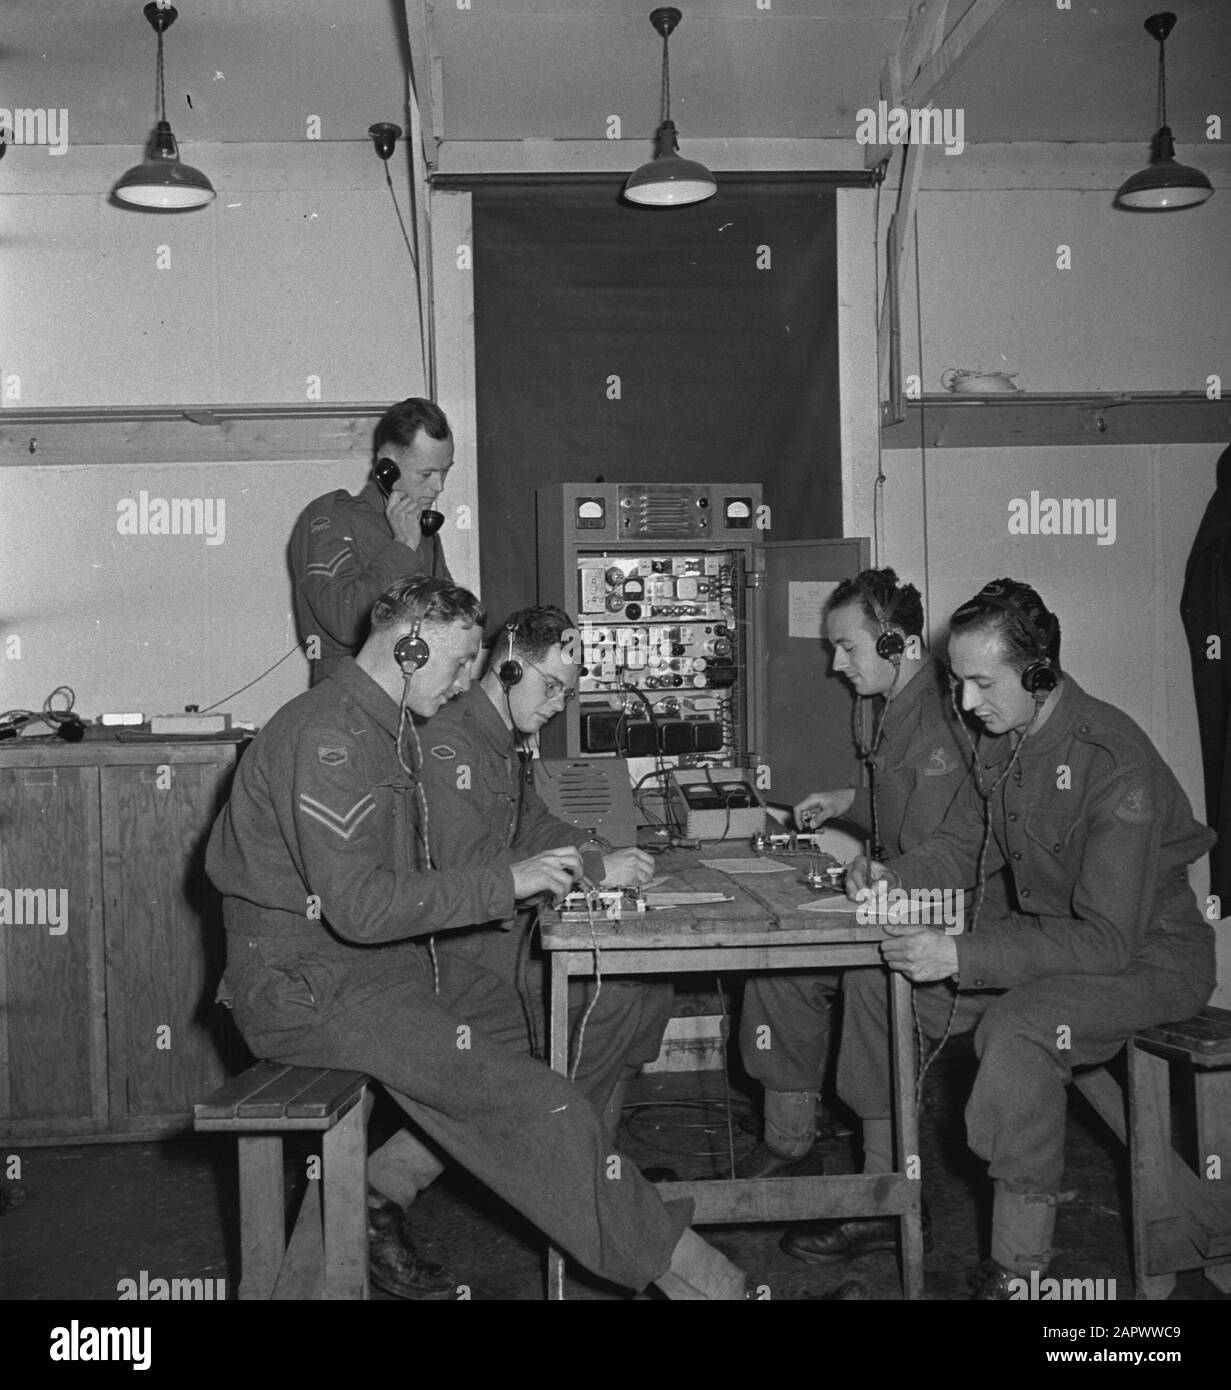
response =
{"points": [[330, 568], [342, 823], [320, 523]]}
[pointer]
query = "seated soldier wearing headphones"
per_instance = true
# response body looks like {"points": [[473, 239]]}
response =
{"points": [[479, 778], [1103, 936], [331, 900], [918, 756]]}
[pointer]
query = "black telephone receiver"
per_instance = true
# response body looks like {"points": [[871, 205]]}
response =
{"points": [[386, 474]]}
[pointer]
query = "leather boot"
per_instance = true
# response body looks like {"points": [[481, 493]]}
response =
{"points": [[394, 1266], [831, 1242], [1022, 1226], [992, 1283]]}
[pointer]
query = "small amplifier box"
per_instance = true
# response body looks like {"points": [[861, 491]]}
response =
{"points": [[716, 803]]}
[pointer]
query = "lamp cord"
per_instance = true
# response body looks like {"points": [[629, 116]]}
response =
{"points": [[160, 93], [666, 92], [410, 250], [1162, 82]]}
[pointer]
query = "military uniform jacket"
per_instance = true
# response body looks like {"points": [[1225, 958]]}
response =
{"points": [[921, 763], [1096, 835], [319, 847], [471, 772], [343, 556]]}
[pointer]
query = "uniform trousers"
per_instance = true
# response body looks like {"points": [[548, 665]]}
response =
{"points": [[458, 1065], [623, 1030], [1028, 1039], [784, 1027]]}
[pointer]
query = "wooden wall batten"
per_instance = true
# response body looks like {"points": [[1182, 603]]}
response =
{"points": [[187, 434], [1057, 419]]}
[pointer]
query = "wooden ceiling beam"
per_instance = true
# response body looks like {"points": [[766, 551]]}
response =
{"points": [[937, 72]]}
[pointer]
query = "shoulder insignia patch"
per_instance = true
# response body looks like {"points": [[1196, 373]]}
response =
{"points": [[443, 752], [321, 523], [940, 764], [332, 757], [1135, 806]]}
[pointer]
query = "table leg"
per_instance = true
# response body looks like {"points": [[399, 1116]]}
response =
{"points": [[557, 1044], [906, 1132]]}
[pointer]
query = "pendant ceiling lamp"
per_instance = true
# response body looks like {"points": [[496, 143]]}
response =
{"points": [[667, 180], [1163, 185], [162, 182]]}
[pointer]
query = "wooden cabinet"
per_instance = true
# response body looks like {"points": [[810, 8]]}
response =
{"points": [[111, 939]]}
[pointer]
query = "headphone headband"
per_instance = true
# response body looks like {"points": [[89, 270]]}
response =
{"points": [[890, 646], [410, 651], [1039, 676]]}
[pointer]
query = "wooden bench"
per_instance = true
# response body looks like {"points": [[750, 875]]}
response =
{"points": [[1181, 1213], [327, 1254]]}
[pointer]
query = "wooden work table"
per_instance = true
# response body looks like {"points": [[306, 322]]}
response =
{"points": [[762, 927]]}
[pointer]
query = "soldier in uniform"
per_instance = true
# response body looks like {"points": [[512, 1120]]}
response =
{"points": [[345, 551], [331, 900], [918, 757], [1103, 935], [479, 778]]}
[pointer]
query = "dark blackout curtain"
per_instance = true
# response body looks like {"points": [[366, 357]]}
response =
{"points": [[1205, 607], [634, 344]]}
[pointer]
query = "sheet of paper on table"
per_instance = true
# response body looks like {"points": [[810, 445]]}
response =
{"points": [[839, 902], [653, 900], [747, 866]]}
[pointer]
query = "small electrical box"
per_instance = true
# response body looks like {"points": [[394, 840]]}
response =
{"points": [[716, 803]]}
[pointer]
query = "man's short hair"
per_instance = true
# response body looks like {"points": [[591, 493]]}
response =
{"points": [[535, 631], [1028, 630], [400, 423], [430, 601], [871, 589]]}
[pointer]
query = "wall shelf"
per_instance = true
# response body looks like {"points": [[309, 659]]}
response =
{"points": [[1058, 419], [186, 433]]}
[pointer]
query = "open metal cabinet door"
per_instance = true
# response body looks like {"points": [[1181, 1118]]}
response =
{"points": [[807, 709]]}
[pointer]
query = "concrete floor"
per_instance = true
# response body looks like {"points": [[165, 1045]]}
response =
{"points": [[93, 1215]]}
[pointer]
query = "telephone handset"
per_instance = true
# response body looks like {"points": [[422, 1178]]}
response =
{"points": [[386, 474]]}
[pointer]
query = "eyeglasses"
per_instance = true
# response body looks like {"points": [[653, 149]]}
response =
{"points": [[555, 690]]}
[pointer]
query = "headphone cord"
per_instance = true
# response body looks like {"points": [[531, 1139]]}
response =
{"points": [[524, 945], [524, 756], [980, 870], [868, 752], [598, 989], [406, 719]]}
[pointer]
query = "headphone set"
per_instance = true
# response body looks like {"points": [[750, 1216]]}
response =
{"points": [[411, 651], [1039, 678], [510, 670], [890, 645]]}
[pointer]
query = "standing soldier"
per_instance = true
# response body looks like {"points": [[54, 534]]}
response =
{"points": [[345, 551]]}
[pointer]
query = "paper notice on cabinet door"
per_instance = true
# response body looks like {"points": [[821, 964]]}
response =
{"points": [[806, 607]]}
